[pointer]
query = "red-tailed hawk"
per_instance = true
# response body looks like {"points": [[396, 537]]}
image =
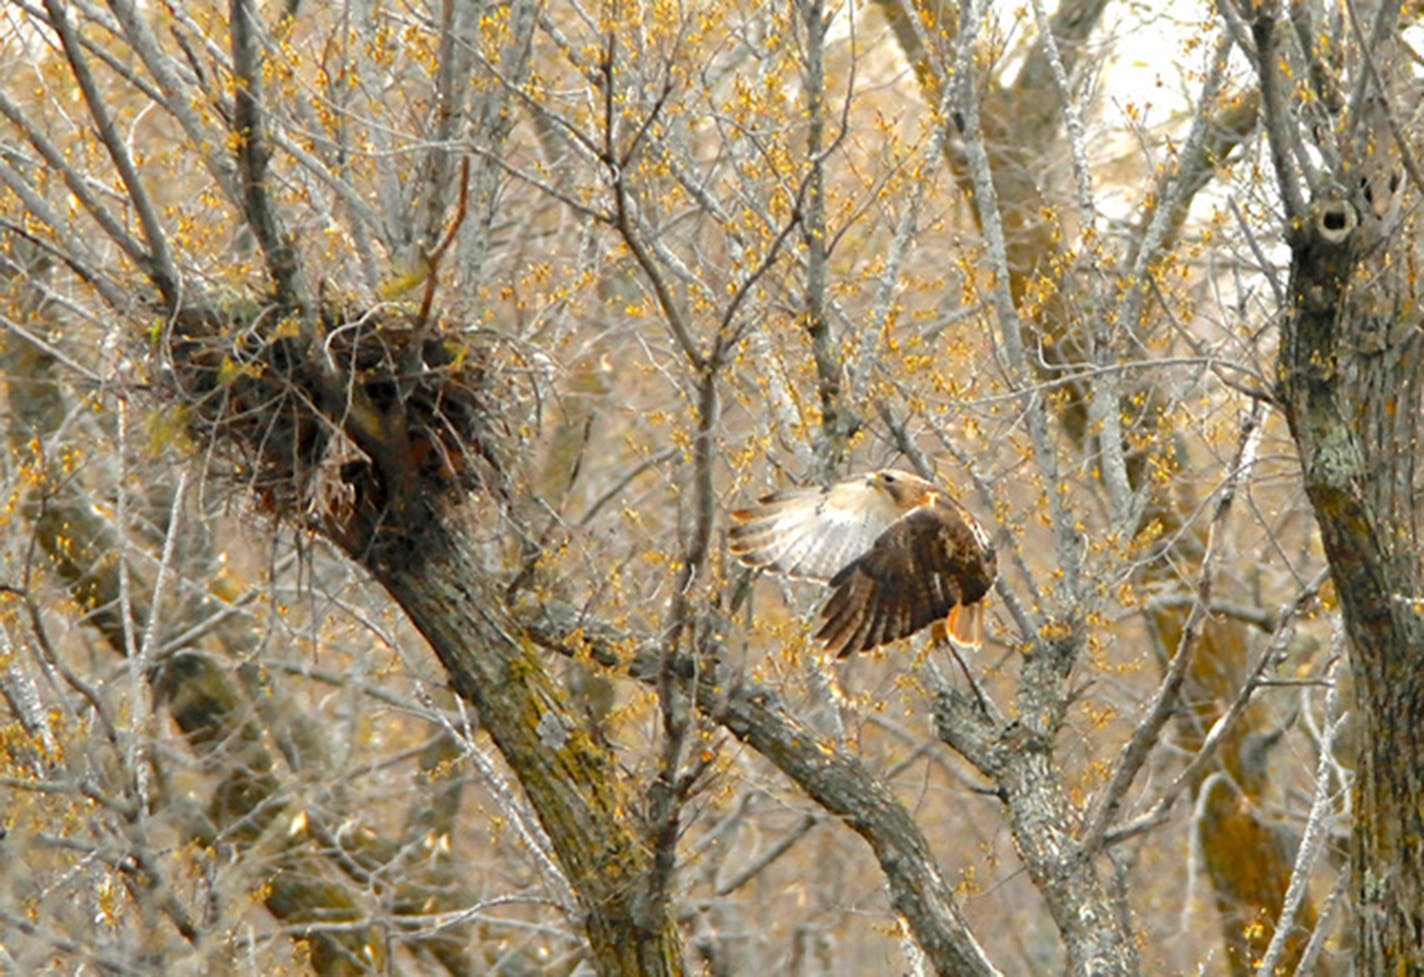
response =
{"points": [[897, 552]]}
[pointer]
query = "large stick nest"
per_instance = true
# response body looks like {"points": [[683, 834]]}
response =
{"points": [[360, 423]]}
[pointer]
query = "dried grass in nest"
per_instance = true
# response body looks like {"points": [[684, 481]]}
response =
{"points": [[375, 421]]}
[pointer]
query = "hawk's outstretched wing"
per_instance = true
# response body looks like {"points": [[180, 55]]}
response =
{"points": [[927, 566], [812, 532]]}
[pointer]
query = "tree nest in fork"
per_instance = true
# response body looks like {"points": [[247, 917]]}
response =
{"points": [[361, 426]]}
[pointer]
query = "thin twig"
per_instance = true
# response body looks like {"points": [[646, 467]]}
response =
{"points": [[1135, 752], [253, 155], [764, 861], [157, 261], [1226, 722], [1314, 836], [1275, 112], [432, 260]]}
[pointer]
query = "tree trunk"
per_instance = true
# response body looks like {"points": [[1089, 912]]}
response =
{"points": [[570, 780], [1349, 372]]}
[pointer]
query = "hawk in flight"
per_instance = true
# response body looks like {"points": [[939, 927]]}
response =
{"points": [[897, 552]]}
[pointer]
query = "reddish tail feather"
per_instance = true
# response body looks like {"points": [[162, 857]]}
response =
{"points": [[966, 625]]}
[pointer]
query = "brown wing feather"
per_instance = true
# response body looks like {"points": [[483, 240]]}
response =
{"points": [[969, 556], [925, 564]]}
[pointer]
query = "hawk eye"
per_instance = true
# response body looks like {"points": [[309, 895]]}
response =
{"points": [[889, 479]]}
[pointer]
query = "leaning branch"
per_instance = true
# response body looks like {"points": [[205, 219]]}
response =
{"points": [[832, 777], [157, 261], [254, 154]]}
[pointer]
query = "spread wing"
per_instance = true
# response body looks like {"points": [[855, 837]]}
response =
{"points": [[931, 561], [812, 532]]}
